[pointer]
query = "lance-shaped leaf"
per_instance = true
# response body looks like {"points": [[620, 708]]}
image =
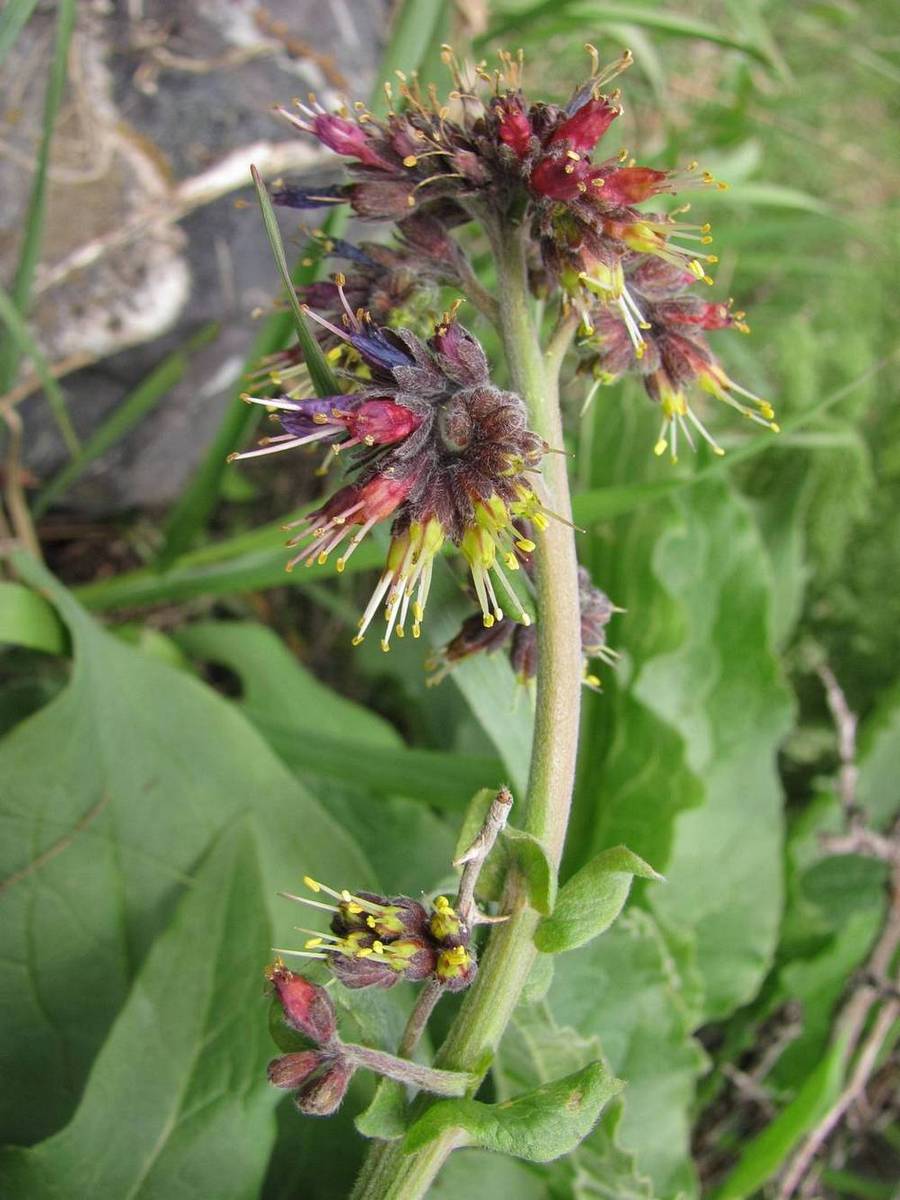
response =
{"points": [[591, 900], [539, 1126], [321, 374], [177, 1103]]}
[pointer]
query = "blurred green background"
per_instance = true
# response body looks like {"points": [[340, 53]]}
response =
{"points": [[187, 730]]}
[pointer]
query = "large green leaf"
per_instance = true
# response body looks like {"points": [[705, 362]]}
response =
{"points": [[111, 795], [380, 787], [625, 990], [177, 1105], [721, 689]]}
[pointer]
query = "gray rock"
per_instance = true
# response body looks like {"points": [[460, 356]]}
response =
{"points": [[167, 104]]}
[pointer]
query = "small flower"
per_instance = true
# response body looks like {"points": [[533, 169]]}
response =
{"points": [[596, 611], [456, 968], [437, 448], [375, 941], [673, 356]]}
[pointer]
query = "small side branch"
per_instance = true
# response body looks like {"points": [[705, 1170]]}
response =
{"points": [[471, 862], [474, 858]]}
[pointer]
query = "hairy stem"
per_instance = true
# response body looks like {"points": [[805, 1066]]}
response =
{"points": [[510, 952], [442, 1083]]}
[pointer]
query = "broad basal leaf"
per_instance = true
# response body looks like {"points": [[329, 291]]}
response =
{"points": [[624, 989], [176, 1105], [111, 795], [721, 689]]}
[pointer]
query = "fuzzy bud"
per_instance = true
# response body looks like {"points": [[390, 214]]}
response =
{"points": [[307, 1007], [322, 1096], [292, 1070]]}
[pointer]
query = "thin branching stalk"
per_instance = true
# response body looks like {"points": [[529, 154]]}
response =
{"points": [[510, 953]]}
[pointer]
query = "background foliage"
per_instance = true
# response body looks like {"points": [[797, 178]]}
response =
{"points": [[187, 736]]}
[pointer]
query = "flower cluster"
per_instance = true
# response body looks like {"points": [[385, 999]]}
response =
{"points": [[319, 1073], [436, 448], [490, 152], [375, 941], [673, 357], [521, 640]]}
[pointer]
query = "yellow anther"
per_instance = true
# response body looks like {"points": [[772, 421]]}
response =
{"points": [[357, 640], [312, 884], [660, 447], [410, 160], [312, 943]]}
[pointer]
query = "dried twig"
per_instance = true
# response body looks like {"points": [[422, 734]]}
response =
{"points": [[852, 1020], [471, 862], [228, 175]]}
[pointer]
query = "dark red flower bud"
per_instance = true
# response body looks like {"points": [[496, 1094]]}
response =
{"points": [[307, 1007], [624, 186], [291, 1070], [382, 495], [587, 125], [514, 127], [561, 178], [321, 1097], [382, 422]]}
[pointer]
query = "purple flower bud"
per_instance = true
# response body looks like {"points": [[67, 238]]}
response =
{"points": [[322, 1096], [291, 1070]]}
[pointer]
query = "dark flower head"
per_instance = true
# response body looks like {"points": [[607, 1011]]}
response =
{"points": [[502, 150], [377, 941], [437, 448], [596, 612], [673, 357], [456, 968]]}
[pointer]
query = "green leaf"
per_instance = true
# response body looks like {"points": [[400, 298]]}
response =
{"points": [[319, 733], [385, 1118], [658, 18], [539, 1126], [323, 378], [182, 1072], [765, 1154], [12, 21], [721, 688], [27, 619], [111, 795], [590, 901], [877, 792], [30, 250], [21, 340], [626, 990], [532, 1047], [125, 416], [532, 860]]}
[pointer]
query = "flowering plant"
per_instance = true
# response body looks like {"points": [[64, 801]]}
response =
{"points": [[435, 448]]}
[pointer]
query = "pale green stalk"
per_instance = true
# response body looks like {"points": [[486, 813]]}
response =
{"points": [[389, 1174]]}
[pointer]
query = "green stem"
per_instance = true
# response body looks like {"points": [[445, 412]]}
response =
{"points": [[510, 953]]}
